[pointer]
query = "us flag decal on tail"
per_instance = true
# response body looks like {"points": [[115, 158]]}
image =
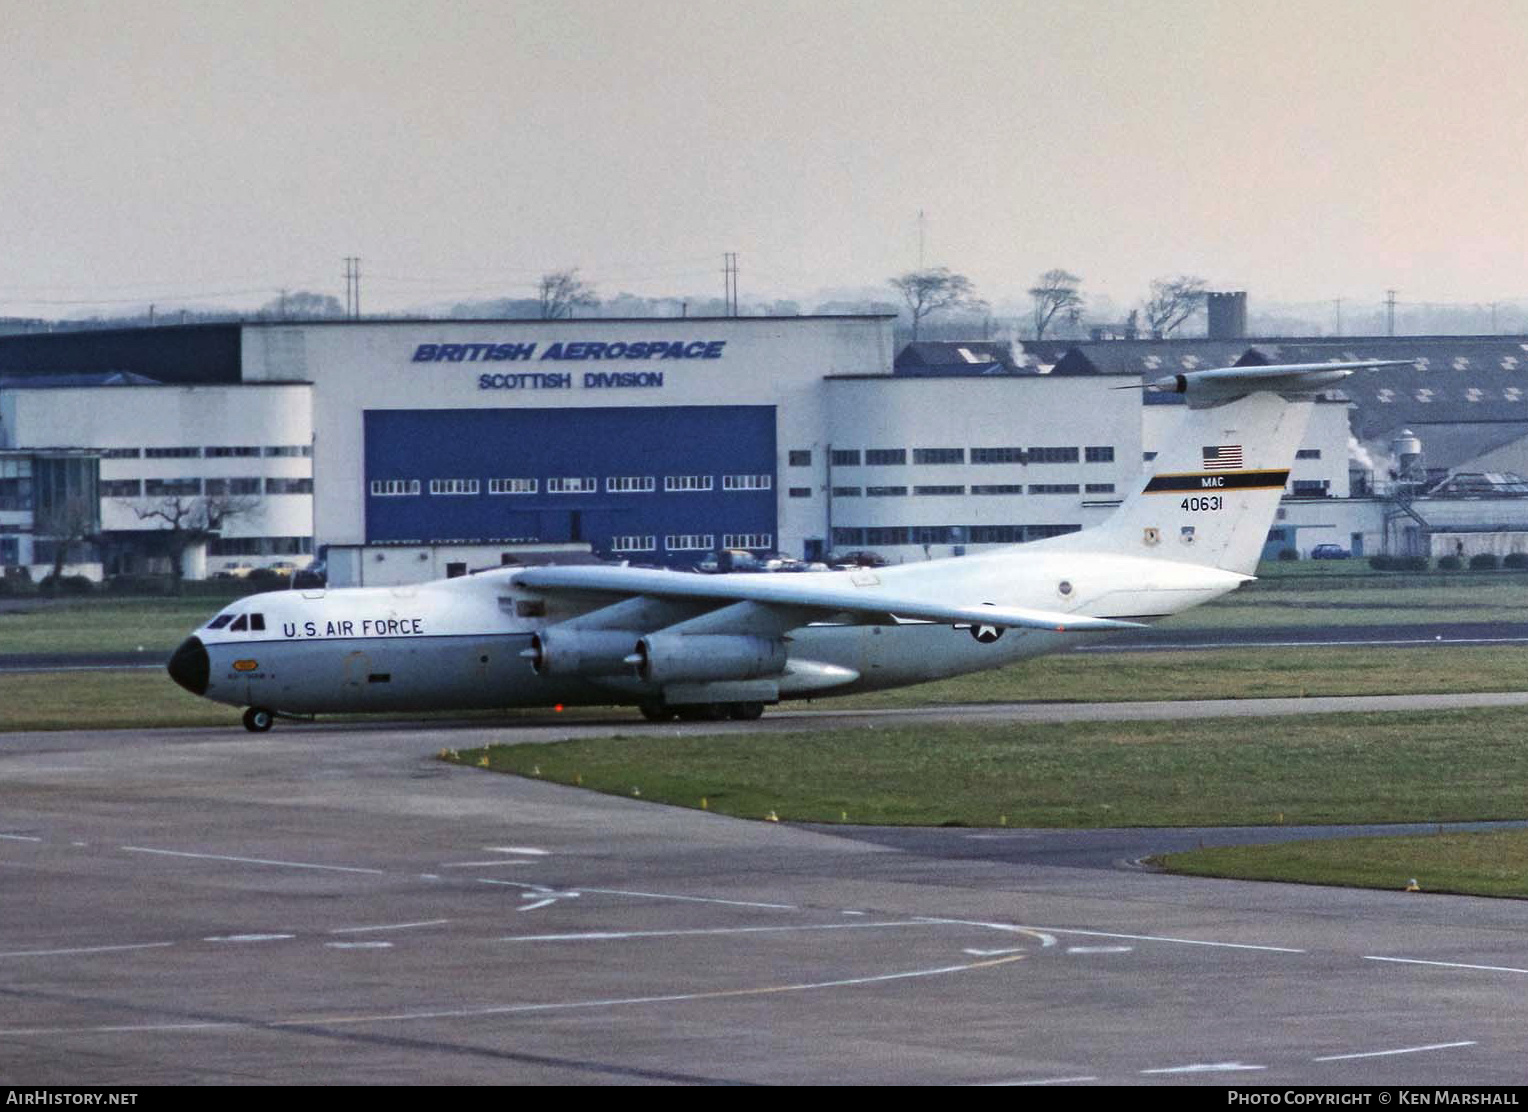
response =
{"points": [[1220, 457]]}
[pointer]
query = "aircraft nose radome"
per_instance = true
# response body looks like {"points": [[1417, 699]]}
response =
{"points": [[190, 667]]}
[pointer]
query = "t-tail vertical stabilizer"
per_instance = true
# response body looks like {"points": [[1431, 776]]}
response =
{"points": [[1210, 495]]}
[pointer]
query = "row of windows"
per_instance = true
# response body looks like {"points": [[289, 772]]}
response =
{"points": [[260, 546], [618, 484], [894, 457], [689, 542], [947, 534], [169, 488], [1015, 488], [212, 451]]}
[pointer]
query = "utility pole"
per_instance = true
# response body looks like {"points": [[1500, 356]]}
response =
{"points": [[1389, 312], [920, 239], [353, 286], [729, 277], [1338, 303]]}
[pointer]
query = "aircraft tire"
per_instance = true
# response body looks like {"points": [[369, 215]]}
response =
{"points": [[257, 720], [703, 712], [657, 712], [745, 712]]}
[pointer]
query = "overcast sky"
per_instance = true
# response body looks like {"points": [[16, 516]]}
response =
{"points": [[1300, 150]]}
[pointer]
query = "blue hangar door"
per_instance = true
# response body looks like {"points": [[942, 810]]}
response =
{"points": [[662, 484]]}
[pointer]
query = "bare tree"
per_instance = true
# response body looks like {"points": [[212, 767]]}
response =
{"points": [[1055, 293], [562, 291], [1173, 301], [73, 521], [186, 521], [930, 291]]}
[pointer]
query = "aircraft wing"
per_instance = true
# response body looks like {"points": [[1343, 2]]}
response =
{"points": [[781, 591]]}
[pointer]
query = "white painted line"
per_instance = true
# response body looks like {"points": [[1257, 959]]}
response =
{"points": [[993, 953], [856, 913], [85, 950], [251, 860], [359, 945], [1099, 949], [1387, 1053], [249, 938], [538, 905], [646, 895], [1208, 1067], [390, 927], [610, 936], [1044, 1081], [514, 1009], [18, 838], [1179, 941], [482, 864], [517, 849], [1449, 964]]}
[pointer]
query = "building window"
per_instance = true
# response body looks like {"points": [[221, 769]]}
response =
{"points": [[998, 488], [288, 451], [1053, 488], [1052, 455], [843, 537], [885, 457], [225, 451], [437, 486], [748, 540], [1098, 454], [1040, 532], [171, 488], [938, 534], [630, 484], [939, 455], [391, 488], [217, 487], [847, 492], [132, 488], [1308, 453], [1098, 488], [997, 534], [891, 534], [800, 458], [690, 542], [687, 482], [122, 453], [1148, 456], [885, 492], [172, 453], [748, 482], [801, 492], [305, 486], [845, 457], [997, 455], [939, 490], [513, 486], [1310, 488], [568, 484], [633, 543]]}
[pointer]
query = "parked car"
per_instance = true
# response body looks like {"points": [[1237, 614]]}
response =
{"points": [[315, 574], [1329, 552], [237, 570]]}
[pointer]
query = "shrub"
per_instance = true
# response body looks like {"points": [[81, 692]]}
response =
{"points": [[1287, 554], [17, 583], [67, 585], [1381, 563], [1515, 560], [1449, 563], [1484, 561]]}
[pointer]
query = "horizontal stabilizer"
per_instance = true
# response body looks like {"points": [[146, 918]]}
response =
{"points": [[1218, 384]]}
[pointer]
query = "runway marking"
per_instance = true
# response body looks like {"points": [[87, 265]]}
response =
{"points": [[1449, 964], [1180, 941], [86, 950], [1387, 1053], [390, 927], [645, 895], [1157, 646], [19, 838], [251, 860], [993, 953], [249, 938], [1043, 1081], [515, 1009], [359, 945], [608, 936], [1208, 1067], [1100, 949], [482, 864], [517, 849]]}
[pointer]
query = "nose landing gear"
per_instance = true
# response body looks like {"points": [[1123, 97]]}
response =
{"points": [[257, 720]]}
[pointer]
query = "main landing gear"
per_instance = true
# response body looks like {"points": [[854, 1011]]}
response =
{"points": [[702, 712], [257, 720]]}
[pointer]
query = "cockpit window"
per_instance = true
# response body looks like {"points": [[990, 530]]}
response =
{"points": [[239, 625], [257, 622], [220, 621]]}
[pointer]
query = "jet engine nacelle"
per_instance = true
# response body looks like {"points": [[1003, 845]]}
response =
{"points": [[581, 652], [665, 658]]}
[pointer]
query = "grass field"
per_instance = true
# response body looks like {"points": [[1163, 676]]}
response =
{"points": [[1347, 768], [1481, 864]]}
